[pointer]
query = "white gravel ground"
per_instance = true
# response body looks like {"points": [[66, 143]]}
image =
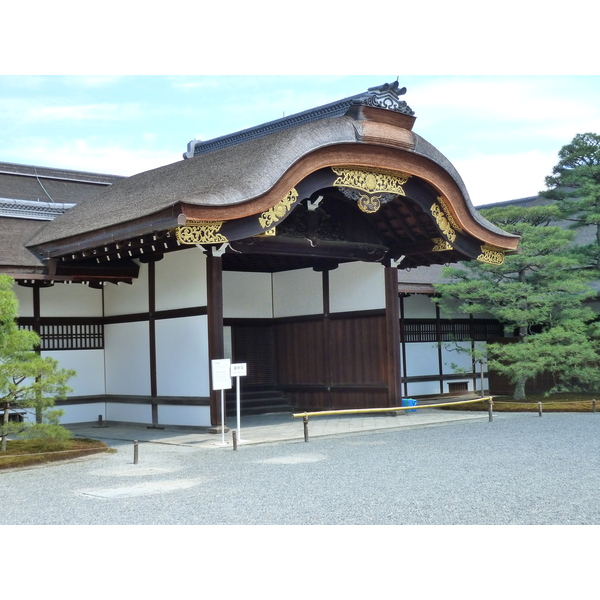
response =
{"points": [[520, 469]]}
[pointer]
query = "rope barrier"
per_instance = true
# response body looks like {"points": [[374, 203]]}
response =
{"points": [[360, 411]]}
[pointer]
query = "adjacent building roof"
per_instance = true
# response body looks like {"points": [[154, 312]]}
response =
{"points": [[30, 196]]}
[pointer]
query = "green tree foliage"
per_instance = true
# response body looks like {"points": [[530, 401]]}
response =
{"points": [[538, 293], [27, 380], [575, 185]]}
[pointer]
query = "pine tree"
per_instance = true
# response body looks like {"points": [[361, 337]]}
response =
{"points": [[575, 185], [27, 380], [539, 295]]}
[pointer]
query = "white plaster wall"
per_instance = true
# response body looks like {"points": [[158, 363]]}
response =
{"points": [[421, 359], [70, 300], [89, 365], [452, 354], [357, 286], [423, 388], [419, 306], [129, 413], [82, 413], [193, 416], [125, 299], [247, 295], [181, 279], [182, 365], [127, 352], [25, 298], [298, 292]]}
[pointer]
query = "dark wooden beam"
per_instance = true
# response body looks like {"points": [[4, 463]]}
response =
{"points": [[216, 346], [392, 316], [281, 245]]}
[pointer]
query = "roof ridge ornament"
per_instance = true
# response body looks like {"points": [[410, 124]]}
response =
{"points": [[386, 96]]}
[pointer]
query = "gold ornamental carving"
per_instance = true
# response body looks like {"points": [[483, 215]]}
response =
{"points": [[267, 233], [443, 222], [448, 214], [440, 245], [373, 184], [491, 255], [370, 182], [200, 232], [279, 211]]}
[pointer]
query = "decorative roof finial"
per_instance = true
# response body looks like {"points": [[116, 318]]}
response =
{"points": [[386, 96]]}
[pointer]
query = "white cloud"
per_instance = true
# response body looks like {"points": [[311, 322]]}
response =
{"points": [[81, 155], [84, 112], [494, 178]]}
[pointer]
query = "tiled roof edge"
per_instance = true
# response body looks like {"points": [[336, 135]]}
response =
{"points": [[327, 111]]}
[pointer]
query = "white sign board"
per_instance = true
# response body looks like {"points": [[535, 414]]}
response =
{"points": [[238, 370], [221, 374]]}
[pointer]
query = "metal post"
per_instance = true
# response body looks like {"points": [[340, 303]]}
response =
{"points": [[234, 435], [135, 452], [594, 405], [490, 409], [99, 420], [238, 405], [540, 409], [305, 419], [223, 417]]}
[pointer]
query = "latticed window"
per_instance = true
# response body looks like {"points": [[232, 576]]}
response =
{"points": [[69, 336], [459, 330]]}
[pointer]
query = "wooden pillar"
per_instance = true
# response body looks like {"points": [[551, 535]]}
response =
{"points": [[403, 345], [216, 345], [438, 336], [392, 315], [330, 350], [152, 338], [37, 327]]}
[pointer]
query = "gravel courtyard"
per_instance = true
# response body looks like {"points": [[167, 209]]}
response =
{"points": [[519, 469]]}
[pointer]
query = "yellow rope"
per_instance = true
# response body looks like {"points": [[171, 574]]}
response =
{"points": [[359, 411]]}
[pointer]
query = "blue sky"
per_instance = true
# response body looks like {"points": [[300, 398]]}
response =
{"points": [[502, 133]]}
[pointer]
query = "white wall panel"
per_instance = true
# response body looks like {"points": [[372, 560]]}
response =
{"points": [[182, 365], [247, 295], [125, 299], [191, 416], [82, 413], [357, 286], [127, 359], [181, 279], [419, 306], [457, 353], [423, 388], [25, 298], [89, 365], [421, 359], [75, 300], [298, 292], [129, 413]]}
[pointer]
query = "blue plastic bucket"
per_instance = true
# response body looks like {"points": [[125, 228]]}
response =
{"points": [[409, 402]]}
